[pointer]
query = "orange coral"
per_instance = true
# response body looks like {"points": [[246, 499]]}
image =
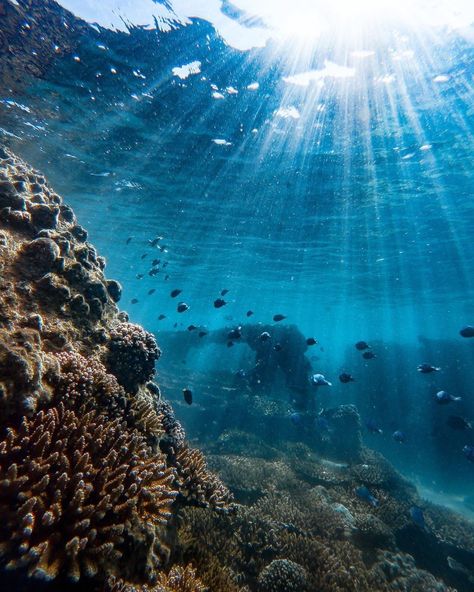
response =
{"points": [[70, 488]]}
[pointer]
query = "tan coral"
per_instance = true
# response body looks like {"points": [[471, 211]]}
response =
{"points": [[70, 488], [178, 579]]}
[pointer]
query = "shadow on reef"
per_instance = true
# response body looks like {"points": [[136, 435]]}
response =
{"points": [[99, 489]]}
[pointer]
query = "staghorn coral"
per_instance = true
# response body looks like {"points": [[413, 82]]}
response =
{"points": [[283, 575], [71, 488], [196, 483], [132, 353], [178, 579]]}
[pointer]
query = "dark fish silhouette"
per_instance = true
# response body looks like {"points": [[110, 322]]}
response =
{"points": [[444, 398], [427, 368], [278, 317], [192, 327], [277, 347], [368, 355], [150, 292], [175, 325], [154, 242], [155, 262], [265, 336], [202, 333], [161, 317], [364, 494], [456, 422], [175, 293], [182, 307], [219, 303], [133, 300], [144, 255], [361, 345], [399, 436], [373, 427], [311, 341], [345, 378], [139, 276], [127, 242], [153, 271], [188, 396], [249, 313], [467, 331], [224, 292], [165, 264], [167, 277], [230, 344], [235, 333]]}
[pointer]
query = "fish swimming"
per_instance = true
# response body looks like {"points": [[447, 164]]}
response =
{"points": [[235, 333], [345, 378], [427, 368], [154, 241], [368, 355], [311, 341], [154, 271], [361, 345], [188, 396], [219, 303], [161, 317], [278, 317], [127, 242], [277, 347], [249, 313], [364, 494], [139, 276], [444, 398], [468, 452], [399, 436], [182, 307], [224, 292], [467, 331], [144, 255], [373, 427], [192, 327], [175, 293], [319, 380], [202, 333], [150, 292], [155, 262], [458, 423], [133, 300], [265, 336]]}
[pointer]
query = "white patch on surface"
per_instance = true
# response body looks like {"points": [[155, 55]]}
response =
{"points": [[253, 86], [288, 113], [221, 142], [187, 69], [441, 78], [330, 70], [217, 95]]}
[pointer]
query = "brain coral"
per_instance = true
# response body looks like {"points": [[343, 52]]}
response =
{"points": [[71, 487]]}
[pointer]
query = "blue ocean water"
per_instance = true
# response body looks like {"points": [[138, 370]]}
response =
{"points": [[327, 181]]}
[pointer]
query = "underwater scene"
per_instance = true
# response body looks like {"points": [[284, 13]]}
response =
{"points": [[236, 296]]}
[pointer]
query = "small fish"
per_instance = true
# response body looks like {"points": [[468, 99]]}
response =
{"points": [[154, 271], [345, 378], [427, 368], [153, 242], [311, 341], [443, 398], [182, 307], [202, 333], [139, 276], [467, 331], [127, 242], [249, 313], [373, 427], [188, 396], [230, 344], [235, 333], [192, 327], [224, 292], [219, 303], [155, 262], [175, 325], [161, 317], [265, 336], [468, 452], [368, 355], [165, 264], [399, 436], [277, 347], [144, 255], [458, 423], [364, 494], [319, 380], [278, 317], [416, 514], [152, 291], [295, 418], [133, 300], [361, 345], [167, 277], [175, 293]]}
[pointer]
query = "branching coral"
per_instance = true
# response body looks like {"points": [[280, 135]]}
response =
{"points": [[283, 575], [179, 579], [132, 355], [196, 483], [70, 488]]}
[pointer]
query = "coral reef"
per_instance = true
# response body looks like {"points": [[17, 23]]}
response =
{"points": [[177, 580], [71, 487], [283, 575]]}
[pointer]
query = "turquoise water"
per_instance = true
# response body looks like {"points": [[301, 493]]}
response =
{"points": [[327, 180]]}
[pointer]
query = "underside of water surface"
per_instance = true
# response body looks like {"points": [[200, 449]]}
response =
{"points": [[283, 194]]}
